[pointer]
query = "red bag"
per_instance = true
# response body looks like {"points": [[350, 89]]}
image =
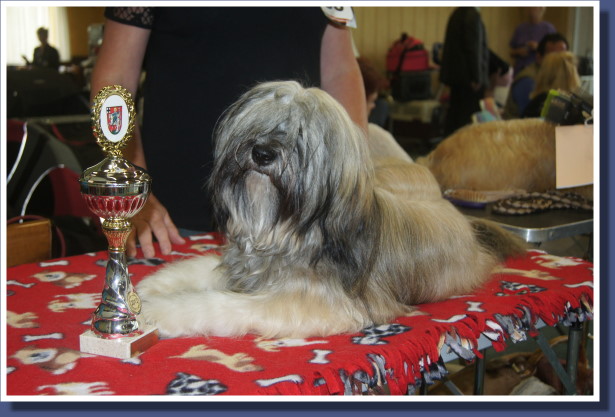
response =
{"points": [[407, 54], [415, 61]]}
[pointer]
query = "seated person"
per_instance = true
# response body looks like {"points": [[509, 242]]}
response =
{"points": [[45, 55], [524, 82], [377, 103], [381, 143], [558, 71]]}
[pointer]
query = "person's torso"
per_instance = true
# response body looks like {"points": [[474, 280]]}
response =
{"points": [[198, 62]]}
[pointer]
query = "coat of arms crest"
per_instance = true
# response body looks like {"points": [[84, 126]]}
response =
{"points": [[114, 119]]}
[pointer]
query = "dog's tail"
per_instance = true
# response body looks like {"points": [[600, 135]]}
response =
{"points": [[500, 242]]}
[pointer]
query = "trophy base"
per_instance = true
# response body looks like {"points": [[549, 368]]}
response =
{"points": [[121, 347]]}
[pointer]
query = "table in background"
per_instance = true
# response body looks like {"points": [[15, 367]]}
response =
{"points": [[537, 228]]}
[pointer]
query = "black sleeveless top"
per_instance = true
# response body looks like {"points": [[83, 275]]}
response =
{"points": [[199, 60]]}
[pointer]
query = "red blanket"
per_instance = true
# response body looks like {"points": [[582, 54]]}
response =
{"points": [[49, 305]]}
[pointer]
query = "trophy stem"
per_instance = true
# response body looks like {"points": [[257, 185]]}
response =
{"points": [[116, 316]]}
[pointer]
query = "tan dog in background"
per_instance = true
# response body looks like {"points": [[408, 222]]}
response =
{"points": [[500, 155]]}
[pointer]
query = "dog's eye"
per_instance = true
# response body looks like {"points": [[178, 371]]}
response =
{"points": [[263, 155]]}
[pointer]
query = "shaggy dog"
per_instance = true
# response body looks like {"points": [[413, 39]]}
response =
{"points": [[320, 239]]}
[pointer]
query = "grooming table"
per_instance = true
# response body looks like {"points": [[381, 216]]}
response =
{"points": [[49, 305], [539, 227]]}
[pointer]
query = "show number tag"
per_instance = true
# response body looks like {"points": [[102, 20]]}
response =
{"points": [[341, 15]]}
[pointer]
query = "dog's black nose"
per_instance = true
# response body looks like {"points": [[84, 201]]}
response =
{"points": [[263, 155]]}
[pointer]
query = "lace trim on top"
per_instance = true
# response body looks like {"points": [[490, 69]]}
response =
{"points": [[136, 16]]}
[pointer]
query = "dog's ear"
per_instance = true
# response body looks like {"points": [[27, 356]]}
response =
{"points": [[351, 227], [349, 221], [339, 190]]}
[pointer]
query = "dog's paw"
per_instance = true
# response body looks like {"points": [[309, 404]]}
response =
{"points": [[154, 315], [157, 284], [188, 275], [178, 314]]}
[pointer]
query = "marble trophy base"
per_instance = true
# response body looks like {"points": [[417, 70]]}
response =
{"points": [[121, 347]]}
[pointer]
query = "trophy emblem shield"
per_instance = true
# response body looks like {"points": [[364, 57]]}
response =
{"points": [[114, 119]]}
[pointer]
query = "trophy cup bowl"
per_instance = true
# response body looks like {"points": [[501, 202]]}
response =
{"points": [[116, 190]]}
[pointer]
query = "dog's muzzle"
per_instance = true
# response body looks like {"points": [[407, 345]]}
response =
{"points": [[263, 155]]}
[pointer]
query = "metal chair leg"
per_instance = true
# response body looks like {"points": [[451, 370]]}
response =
{"points": [[452, 387], [557, 366], [572, 355], [424, 388], [479, 374]]}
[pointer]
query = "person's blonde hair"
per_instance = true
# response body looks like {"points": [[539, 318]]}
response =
{"points": [[558, 71]]}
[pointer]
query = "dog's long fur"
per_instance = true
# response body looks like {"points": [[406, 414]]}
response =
{"points": [[320, 239]]}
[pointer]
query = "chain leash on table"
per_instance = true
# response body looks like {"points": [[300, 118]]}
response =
{"points": [[538, 202]]}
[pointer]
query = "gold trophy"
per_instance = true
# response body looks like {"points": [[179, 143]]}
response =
{"points": [[115, 190]]}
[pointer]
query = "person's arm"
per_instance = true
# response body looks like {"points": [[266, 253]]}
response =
{"points": [[519, 52], [524, 50], [340, 73], [119, 62]]}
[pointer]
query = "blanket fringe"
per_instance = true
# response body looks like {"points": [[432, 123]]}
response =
{"points": [[403, 370], [376, 375]]}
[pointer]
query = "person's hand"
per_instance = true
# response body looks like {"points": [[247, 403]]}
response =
{"points": [[153, 221], [532, 45], [504, 79]]}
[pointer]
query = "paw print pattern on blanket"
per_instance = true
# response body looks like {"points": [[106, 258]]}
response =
{"points": [[528, 273], [238, 362], [64, 279], [22, 321], [373, 335], [78, 388], [186, 384], [517, 288], [556, 262], [274, 345], [55, 360], [74, 301]]}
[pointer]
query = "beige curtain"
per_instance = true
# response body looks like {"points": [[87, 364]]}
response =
{"points": [[20, 25]]}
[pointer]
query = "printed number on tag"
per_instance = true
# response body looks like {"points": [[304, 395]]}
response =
{"points": [[341, 15]]}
